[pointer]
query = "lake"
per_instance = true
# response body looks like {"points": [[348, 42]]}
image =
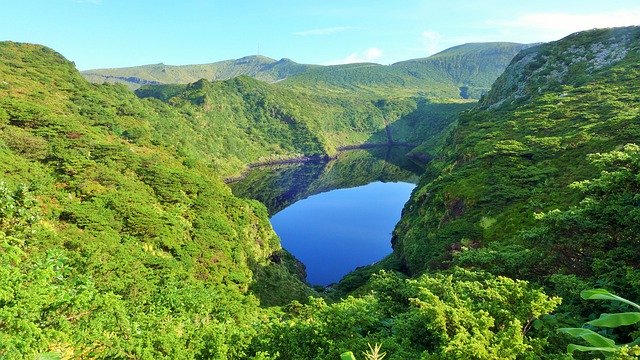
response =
{"points": [[335, 216]]}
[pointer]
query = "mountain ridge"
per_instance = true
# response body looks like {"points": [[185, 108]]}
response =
{"points": [[258, 66], [548, 66], [463, 71]]}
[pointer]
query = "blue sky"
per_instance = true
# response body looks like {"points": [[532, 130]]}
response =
{"points": [[116, 33]]}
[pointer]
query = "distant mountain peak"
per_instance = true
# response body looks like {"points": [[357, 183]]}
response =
{"points": [[257, 66], [256, 58], [463, 71]]}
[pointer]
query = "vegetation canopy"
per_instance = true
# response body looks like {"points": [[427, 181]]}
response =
{"points": [[120, 239]]}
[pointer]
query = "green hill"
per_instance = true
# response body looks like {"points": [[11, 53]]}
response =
{"points": [[112, 232], [489, 200], [268, 122], [464, 71], [472, 67], [258, 67]]}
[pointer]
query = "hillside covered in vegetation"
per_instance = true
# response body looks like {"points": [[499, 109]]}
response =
{"points": [[540, 182], [471, 67], [112, 242], [243, 120], [462, 72], [119, 238]]}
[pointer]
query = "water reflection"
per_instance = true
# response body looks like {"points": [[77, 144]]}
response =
{"points": [[338, 215], [279, 186]]}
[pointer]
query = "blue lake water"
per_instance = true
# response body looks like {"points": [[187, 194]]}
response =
{"points": [[337, 215], [334, 232]]}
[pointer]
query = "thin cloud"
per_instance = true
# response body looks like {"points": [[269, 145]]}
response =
{"points": [[370, 55], [554, 25], [431, 41], [323, 31]]}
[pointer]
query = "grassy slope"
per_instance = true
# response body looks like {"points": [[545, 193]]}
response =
{"points": [[464, 71], [135, 226], [258, 67], [473, 66], [283, 122], [518, 152]]}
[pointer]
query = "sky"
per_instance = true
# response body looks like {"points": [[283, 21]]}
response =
{"points": [[118, 33]]}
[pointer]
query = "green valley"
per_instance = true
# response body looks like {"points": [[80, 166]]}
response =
{"points": [[121, 239]]}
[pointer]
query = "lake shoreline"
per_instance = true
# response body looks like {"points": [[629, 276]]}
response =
{"points": [[318, 158], [364, 216], [358, 184]]}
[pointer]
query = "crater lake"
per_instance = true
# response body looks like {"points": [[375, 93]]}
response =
{"points": [[337, 215]]}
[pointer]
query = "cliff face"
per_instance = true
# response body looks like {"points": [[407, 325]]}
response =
{"points": [[569, 61]]}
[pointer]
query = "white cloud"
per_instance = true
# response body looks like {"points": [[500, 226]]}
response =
{"points": [[555, 25], [431, 41], [525, 28], [370, 55], [323, 31]]}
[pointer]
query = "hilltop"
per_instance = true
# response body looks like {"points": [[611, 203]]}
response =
{"points": [[462, 72], [256, 66], [473, 67]]}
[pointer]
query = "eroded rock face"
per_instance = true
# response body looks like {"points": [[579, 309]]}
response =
{"points": [[568, 61]]}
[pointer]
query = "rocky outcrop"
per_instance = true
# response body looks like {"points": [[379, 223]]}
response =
{"points": [[569, 61]]}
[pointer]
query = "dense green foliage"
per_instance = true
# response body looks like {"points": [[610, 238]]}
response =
{"points": [[458, 315], [241, 121], [119, 239], [117, 246], [598, 238], [515, 191], [599, 343]]}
